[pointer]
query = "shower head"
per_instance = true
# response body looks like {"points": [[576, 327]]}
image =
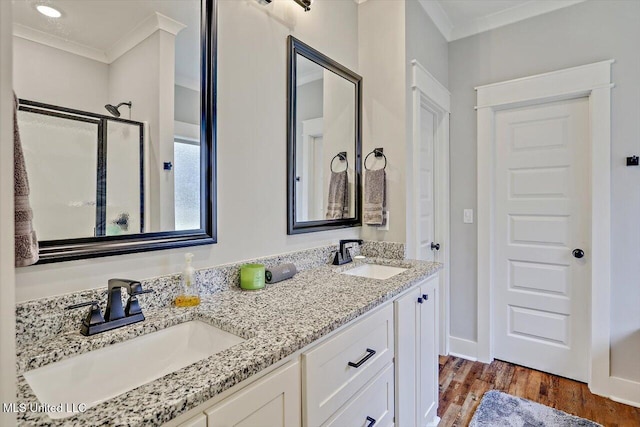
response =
{"points": [[114, 109]]}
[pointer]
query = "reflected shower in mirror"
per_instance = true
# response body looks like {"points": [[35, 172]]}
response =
{"points": [[324, 142], [110, 120]]}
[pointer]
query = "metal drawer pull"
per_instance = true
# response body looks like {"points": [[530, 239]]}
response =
{"points": [[372, 422], [364, 359]]}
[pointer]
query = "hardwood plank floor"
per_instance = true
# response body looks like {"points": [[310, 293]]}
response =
{"points": [[463, 383]]}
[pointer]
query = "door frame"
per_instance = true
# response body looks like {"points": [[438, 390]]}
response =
{"points": [[429, 93], [311, 128], [594, 82]]}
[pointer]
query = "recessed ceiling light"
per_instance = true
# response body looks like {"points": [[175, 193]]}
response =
{"points": [[48, 11]]}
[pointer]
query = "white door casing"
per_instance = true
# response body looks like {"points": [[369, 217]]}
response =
{"points": [[428, 184], [310, 185], [594, 82], [542, 213]]}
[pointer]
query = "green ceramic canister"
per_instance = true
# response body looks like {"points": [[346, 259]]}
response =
{"points": [[252, 276]]}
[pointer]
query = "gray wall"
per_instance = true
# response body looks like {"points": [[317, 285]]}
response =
{"points": [[581, 34], [425, 43], [187, 105]]}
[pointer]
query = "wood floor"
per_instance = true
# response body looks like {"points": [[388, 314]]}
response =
{"points": [[462, 384]]}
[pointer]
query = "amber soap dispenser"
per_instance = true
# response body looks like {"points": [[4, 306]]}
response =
{"points": [[190, 296]]}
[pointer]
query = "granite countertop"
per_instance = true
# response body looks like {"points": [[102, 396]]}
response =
{"points": [[275, 322]]}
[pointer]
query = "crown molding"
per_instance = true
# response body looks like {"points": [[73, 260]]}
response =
{"points": [[492, 21], [188, 82], [40, 37], [509, 16], [142, 31], [153, 23], [439, 17], [309, 77]]}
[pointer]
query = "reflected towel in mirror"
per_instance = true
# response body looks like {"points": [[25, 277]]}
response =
{"points": [[338, 203], [26, 243], [374, 196]]}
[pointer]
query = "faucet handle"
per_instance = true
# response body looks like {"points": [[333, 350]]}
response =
{"points": [[133, 306], [94, 317], [81, 304]]}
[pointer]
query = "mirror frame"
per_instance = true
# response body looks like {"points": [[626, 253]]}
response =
{"points": [[93, 247], [293, 226]]}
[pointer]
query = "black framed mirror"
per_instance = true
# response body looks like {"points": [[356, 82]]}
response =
{"points": [[324, 149], [118, 128]]}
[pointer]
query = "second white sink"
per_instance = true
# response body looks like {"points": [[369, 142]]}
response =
{"points": [[374, 271], [96, 376]]}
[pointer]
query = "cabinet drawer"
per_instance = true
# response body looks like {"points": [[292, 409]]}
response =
{"points": [[329, 380], [374, 404]]}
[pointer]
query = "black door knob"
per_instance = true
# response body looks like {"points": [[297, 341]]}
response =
{"points": [[578, 253], [435, 246]]}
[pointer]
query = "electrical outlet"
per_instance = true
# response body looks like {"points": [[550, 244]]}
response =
{"points": [[468, 216]]}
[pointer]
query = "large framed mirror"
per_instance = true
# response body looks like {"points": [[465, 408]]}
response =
{"points": [[324, 103], [116, 118]]}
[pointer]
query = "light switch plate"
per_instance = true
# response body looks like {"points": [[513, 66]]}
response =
{"points": [[468, 216]]}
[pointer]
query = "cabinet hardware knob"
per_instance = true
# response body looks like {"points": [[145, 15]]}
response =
{"points": [[435, 246], [364, 359], [578, 253], [372, 422], [425, 297], [420, 300]]}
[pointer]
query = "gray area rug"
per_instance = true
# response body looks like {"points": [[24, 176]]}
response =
{"points": [[498, 409]]}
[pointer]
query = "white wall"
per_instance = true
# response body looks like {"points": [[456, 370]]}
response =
{"points": [[7, 289], [251, 146], [581, 34], [382, 65], [145, 76], [187, 105], [53, 76]]}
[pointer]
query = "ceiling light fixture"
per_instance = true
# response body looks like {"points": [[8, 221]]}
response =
{"points": [[306, 4], [48, 11]]}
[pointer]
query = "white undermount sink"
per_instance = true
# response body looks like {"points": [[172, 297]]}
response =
{"points": [[99, 375], [374, 271]]}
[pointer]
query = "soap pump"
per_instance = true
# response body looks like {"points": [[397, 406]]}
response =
{"points": [[190, 296]]}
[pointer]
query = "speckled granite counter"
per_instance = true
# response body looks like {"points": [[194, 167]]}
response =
{"points": [[276, 322]]}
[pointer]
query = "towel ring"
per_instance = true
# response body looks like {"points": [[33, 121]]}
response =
{"points": [[378, 153], [343, 157]]}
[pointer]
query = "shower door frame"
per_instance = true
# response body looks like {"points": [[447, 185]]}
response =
{"points": [[101, 170]]}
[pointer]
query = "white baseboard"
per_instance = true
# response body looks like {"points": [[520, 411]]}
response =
{"points": [[466, 349], [625, 391]]}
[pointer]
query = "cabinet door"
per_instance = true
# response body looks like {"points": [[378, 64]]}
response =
{"points": [[197, 421], [417, 356], [407, 310], [272, 401], [427, 367]]}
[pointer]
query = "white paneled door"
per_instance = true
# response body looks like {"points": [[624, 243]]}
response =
{"points": [[426, 211], [542, 223]]}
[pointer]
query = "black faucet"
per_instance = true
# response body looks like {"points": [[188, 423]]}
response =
{"points": [[114, 316], [343, 256]]}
